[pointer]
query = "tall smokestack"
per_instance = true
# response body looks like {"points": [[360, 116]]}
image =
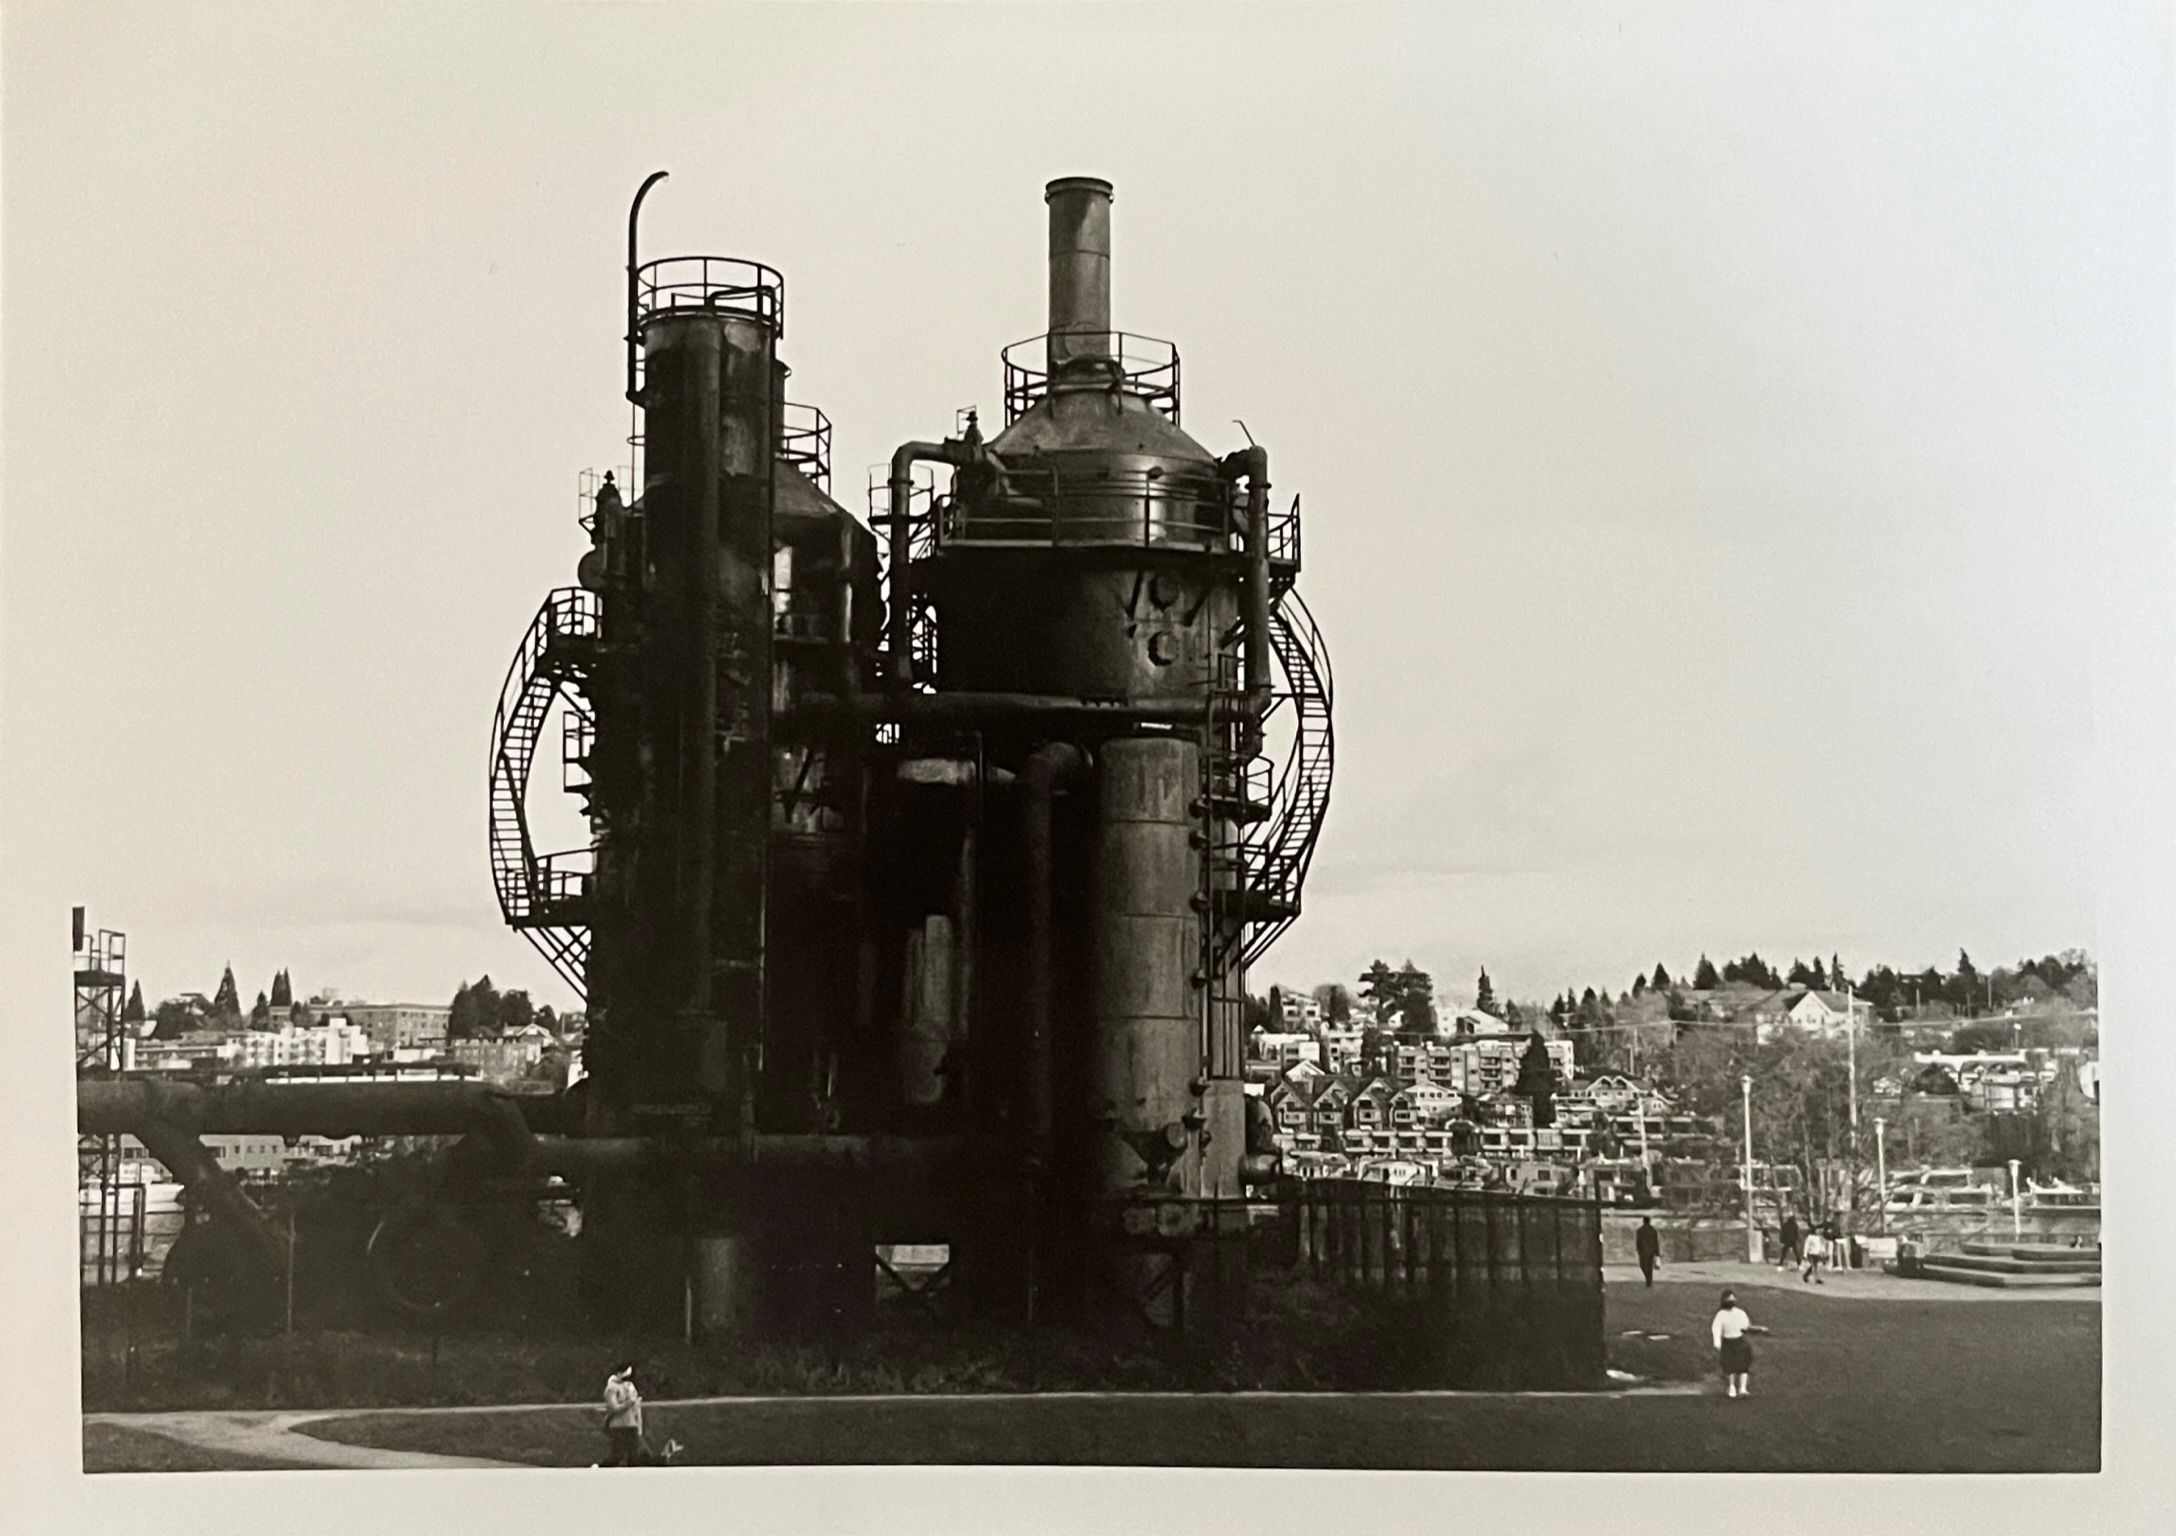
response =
{"points": [[1080, 268]]}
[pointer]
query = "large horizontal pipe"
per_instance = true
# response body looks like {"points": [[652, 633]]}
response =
{"points": [[106, 1107], [572, 1155], [980, 708], [110, 1106]]}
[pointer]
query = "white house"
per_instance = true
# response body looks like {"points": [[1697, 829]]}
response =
{"points": [[1825, 1013]]}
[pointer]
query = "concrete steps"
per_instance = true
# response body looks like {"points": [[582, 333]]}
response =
{"points": [[2011, 1266]]}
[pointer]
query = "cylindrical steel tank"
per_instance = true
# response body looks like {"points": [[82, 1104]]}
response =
{"points": [[1146, 1034]]}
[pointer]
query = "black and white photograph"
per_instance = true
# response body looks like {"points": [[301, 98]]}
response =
{"points": [[1376, 742]]}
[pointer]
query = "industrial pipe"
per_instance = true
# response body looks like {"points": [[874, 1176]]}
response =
{"points": [[1047, 767], [109, 1107], [901, 488], [1080, 269], [575, 1155], [634, 301], [1252, 462], [968, 709], [167, 1111], [197, 1170]]}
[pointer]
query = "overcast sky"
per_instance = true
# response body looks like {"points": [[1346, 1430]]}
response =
{"points": [[1718, 430]]}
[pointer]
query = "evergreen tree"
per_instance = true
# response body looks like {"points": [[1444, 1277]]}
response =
{"points": [[1966, 988], [1801, 976], [475, 1011], [132, 1011], [1379, 985], [1704, 978], [260, 1014], [549, 1017], [515, 1011], [1484, 994], [1639, 986], [1820, 975], [1537, 1081], [227, 1001], [1661, 979], [1416, 1001], [283, 992]]}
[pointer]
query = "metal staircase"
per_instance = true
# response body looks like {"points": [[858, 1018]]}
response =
{"points": [[543, 895], [1279, 848], [1261, 828]]}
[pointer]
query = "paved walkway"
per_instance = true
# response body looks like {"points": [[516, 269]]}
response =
{"points": [[1847, 1284], [276, 1436], [284, 1436]]}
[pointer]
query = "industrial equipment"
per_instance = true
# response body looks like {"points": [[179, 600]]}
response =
{"points": [[927, 854]]}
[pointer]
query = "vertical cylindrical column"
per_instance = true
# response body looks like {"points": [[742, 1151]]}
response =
{"points": [[1146, 1051], [695, 989], [742, 624], [1080, 268]]}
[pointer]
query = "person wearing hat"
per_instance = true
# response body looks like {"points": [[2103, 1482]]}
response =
{"points": [[623, 1418], [1733, 1349]]}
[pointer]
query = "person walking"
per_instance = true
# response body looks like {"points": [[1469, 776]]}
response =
{"points": [[623, 1418], [1733, 1350], [1792, 1238], [1647, 1243], [1816, 1251]]}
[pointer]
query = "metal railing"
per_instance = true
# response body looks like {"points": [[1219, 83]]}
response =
{"points": [[1138, 508], [551, 663], [804, 441], [1141, 366], [710, 284]]}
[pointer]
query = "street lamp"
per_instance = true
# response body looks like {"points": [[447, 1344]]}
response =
{"points": [[1881, 1171], [1752, 1230]]}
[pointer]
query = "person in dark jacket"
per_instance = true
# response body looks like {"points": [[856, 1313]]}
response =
{"points": [[1647, 1243], [1791, 1239]]}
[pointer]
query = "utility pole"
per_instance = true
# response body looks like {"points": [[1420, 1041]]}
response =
{"points": [[1752, 1228], [1851, 1057]]}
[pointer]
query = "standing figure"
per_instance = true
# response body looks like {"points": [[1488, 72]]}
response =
{"points": [[1792, 1237], [1816, 1251], [1647, 1243], [1734, 1351], [623, 1418]]}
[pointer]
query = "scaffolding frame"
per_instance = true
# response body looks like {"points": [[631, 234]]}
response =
{"points": [[110, 1244]]}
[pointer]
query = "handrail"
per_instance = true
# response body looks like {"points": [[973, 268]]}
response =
{"points": [[709, 285], [527, 884], [804, 441], [1145, 367]]}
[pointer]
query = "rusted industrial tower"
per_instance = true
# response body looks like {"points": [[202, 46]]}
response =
{"points": [[920, 898]]}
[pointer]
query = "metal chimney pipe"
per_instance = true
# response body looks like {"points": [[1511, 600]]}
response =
{"points": [[1080, 268]]}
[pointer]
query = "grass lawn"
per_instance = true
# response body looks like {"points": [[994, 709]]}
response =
{"points": [[1840, 1385]]}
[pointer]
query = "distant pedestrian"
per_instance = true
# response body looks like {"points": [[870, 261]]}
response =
{"points": [[1647, 1243], [1733, 1350], [1838, 1252], [1792, 1238], [1816, 1251], [623, 1418]]}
